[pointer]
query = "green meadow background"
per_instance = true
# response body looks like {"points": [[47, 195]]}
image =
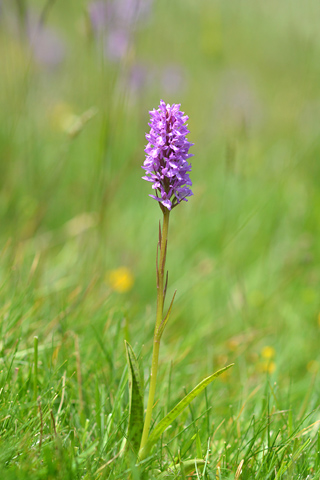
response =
{"points": [[243, 253]]}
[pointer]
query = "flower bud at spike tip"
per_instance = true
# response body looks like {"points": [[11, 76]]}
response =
{"points": [[167, 150]]}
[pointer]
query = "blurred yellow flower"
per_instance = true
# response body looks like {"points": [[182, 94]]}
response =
{"points": [[120, 279], [267, 366], [268, 352], [233, 344]]}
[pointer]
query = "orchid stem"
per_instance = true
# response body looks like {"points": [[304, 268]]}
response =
{"points": [[157, 331]]}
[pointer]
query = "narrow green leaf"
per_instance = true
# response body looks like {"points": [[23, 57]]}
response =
{"points": [[175, 412], [165, 320], [135, 401]]}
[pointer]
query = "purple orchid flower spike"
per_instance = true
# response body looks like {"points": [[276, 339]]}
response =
{"points": [[166, 156], [167, 169]]}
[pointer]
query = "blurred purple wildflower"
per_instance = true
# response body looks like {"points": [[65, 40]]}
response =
{"points": [[128, 12], [114, 22], [116, 44], [166, 155], [47, 46], [99, 14]]}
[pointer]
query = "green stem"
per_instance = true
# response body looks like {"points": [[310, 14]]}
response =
{"points": [[35, 369], [157, 333]]}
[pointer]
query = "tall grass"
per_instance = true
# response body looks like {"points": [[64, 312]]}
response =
{"points": [[244, 252]]}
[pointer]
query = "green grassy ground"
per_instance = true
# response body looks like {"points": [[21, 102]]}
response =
{"points": [[243, 253]]}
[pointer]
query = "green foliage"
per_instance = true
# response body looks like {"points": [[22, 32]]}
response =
{"points": [[177, 410], [243, 253]]}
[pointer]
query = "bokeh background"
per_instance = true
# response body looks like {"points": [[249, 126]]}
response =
{"points": [[78, 231]]}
